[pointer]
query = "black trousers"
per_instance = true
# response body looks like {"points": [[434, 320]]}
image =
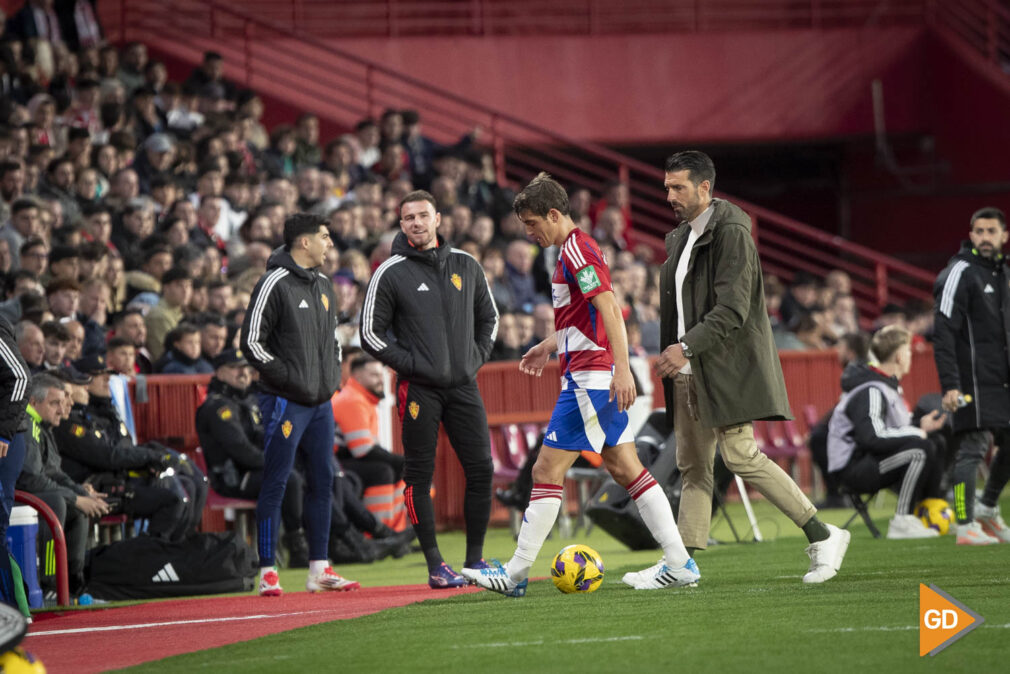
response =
{"points": [[914, 468], [422, 409], [163, 508], [75, 531]]}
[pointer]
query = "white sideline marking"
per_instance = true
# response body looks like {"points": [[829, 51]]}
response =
{"points": [[113, 628], [899, 628], [552, 642]]}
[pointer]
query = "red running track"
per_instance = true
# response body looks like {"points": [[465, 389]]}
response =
{"points": [[97, 640]]}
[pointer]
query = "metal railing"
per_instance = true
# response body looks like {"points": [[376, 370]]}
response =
{"points": [[980, 26], [317, 75], [400, 18]]}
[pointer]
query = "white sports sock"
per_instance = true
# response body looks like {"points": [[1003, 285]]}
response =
{"points": [[655, 510], [545, 502], [317, 566]]}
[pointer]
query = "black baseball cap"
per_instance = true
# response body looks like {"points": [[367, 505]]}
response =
{"points": [[229, 357], [93, 364], [72, 375]]}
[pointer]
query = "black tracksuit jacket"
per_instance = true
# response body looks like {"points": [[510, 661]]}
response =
{"points": [[970, 337], [429, 315], [289, 332]]}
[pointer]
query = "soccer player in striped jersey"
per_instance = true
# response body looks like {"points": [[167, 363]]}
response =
{"points": [[596, 390]]}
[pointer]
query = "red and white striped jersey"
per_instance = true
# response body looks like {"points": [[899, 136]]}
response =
{"points": [[583, 348]]}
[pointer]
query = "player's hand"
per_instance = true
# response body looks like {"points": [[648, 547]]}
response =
{"points": [[932, 422], [670, 361], [622, 387], [950, 400], [534, 361], [3, 449]]}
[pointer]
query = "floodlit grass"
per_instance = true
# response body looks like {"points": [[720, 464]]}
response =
{"points": [[751, 613]]}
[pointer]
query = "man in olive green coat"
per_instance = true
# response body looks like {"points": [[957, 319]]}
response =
{"points": [[719, 365]]}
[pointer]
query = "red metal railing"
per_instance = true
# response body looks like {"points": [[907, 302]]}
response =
{"points": [[59, 542], [401, 18], [978, 26], [314, 74]]}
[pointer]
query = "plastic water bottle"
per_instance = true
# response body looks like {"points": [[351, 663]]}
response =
{"points": [[964, 400]]}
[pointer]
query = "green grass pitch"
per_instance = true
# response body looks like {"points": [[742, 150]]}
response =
{"points": [[750, 613]]}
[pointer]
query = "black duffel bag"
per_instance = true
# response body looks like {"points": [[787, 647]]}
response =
{"points": [[148, 567]]}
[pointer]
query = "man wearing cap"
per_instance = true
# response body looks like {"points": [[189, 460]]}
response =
{"points": [[73, 503], [289, 335], [122, 470], [159, 151], [230, 427], [176, 288]]}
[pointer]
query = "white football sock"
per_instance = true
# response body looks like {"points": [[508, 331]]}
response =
{"points": [[655, 510], [317, 566], [545, 502]]}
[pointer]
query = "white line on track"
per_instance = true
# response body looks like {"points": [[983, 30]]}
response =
{"points": [[113, 628], [899, 628], [552, 642]]}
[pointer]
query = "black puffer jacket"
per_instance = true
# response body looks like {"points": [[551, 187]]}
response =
{"points": [[289, 332], [970, 337], [429, 315]]}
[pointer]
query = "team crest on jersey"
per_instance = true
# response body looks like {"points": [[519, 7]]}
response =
{"points": [[78, 431], [224, 413], [325, 300], [456, 281], [286, 429], [587, 279], [413, 409]]}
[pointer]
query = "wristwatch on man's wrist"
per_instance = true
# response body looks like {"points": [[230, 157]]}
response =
{"points": [[686, 350]]}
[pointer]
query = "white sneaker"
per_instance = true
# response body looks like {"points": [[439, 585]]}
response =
{"points": [[329, 580], [909, 526], [992, 521], [633, 578], [270, 584], [826, 556], [494, 577], [665, 576], [972, 534]]}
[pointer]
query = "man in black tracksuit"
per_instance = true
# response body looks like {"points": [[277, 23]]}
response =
{"points": [[14, 379], [429, 315], [970, 344], [230, 427], [289, 335]]}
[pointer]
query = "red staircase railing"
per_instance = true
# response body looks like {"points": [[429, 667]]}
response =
{"points": [[315, 74], [400, 18]]}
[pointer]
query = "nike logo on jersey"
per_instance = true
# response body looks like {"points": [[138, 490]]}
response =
{"points": [[988, 289], [423, 287], [303, 305]]}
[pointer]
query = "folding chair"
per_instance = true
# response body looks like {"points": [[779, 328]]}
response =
{"points": [[861, 503]]}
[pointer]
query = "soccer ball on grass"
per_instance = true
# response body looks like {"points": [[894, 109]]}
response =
{"points": [[577, 568], [935, 513]]}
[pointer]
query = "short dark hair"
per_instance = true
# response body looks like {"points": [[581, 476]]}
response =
{"points": [[858, 343], [56, 330], [175, 274], [301, 224], [543, 194], [988, 213], [417, 195], [118, 342], [126, 313], [360, 361], [23, 204], [698, 165]]}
